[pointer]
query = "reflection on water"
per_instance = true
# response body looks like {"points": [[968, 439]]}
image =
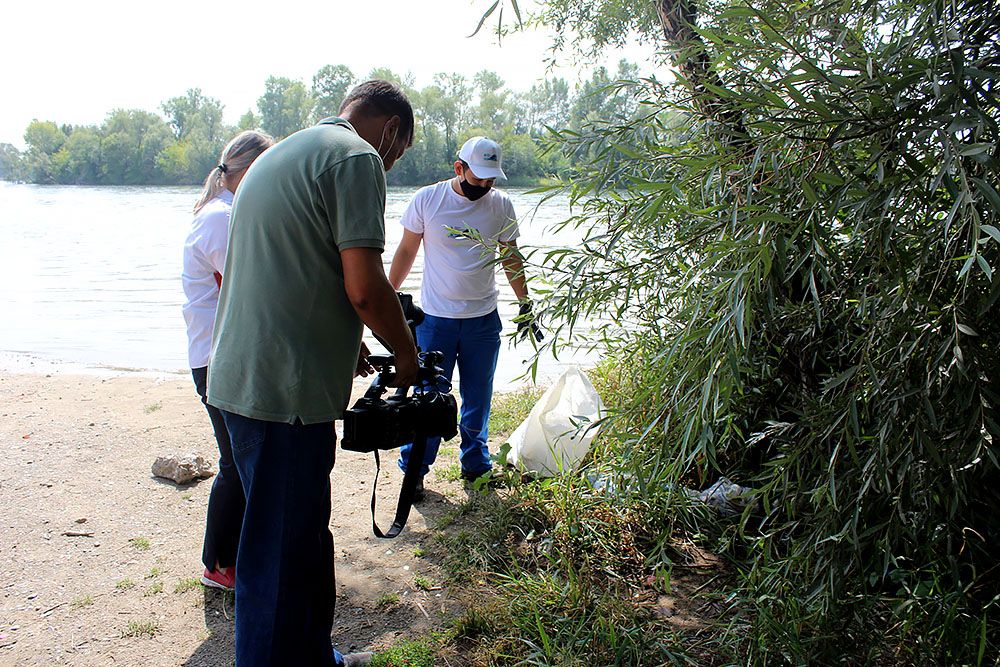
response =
{"points": [[91, 275]]}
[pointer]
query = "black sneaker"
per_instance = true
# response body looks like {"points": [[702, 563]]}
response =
{"points": [[481, 481], [470, 477]]}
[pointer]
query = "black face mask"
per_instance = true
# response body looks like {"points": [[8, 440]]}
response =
{"points": [[473, 192]]}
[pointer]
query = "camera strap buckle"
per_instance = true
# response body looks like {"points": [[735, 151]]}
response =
{"points": [[410, 478]]}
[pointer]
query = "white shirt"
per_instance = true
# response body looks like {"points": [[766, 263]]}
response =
{"points": [[459, 272], [204, 256]]}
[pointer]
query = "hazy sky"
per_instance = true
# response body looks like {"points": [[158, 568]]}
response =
{"points": [[72, 62]]}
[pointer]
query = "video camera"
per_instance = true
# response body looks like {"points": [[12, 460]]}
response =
{"points": [[386, 423], [376, 423]]}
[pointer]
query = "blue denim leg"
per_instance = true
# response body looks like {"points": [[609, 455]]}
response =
{"points": [[285, 586], [473, 344], [440, 334], [478, 349]]}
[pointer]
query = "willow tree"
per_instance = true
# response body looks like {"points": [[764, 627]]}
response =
{"points": [[793, 244]]}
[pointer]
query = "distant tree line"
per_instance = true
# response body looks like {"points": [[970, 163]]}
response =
{"points": [[137, 147]]}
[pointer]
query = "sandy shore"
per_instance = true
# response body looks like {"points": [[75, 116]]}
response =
{"points": [[76, 456]]}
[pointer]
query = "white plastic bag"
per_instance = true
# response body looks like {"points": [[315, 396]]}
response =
{"points": [[557, 433]]}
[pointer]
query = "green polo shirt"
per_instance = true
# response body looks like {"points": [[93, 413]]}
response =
{"points": [[286, 337]]}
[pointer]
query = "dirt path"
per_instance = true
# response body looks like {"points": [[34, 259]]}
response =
{"points": [[75, 456]]}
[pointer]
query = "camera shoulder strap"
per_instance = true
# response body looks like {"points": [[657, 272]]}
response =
{"points": [[410, 478]]}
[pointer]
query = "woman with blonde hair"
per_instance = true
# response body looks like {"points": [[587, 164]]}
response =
{"points": [[204, 259]]}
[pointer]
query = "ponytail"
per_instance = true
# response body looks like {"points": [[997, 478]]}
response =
{"points": [[238, 154]]}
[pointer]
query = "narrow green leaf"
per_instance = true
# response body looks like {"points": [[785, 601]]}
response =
{"points": [[992, 231], [828, 179], [985, 266], [969, 150], [841, 378], [517, 12], [485, 16], [990, 193]]}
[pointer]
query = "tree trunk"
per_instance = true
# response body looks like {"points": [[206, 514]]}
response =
{"points": [[691, 57]]}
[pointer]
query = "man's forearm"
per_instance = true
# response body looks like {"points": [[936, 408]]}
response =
{"points": [[380, 311], [402, 262], [374, 299], [513, 266]]}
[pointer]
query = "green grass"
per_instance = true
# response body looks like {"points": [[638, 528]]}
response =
{"points": [[510, 409], [146, 629], [140, 543], [449, 473], [124, 584], [155, 589], [154, 573], [387, 600], [82, 601], [422, 582], [152, 407], [418, 552], [405, 654], [445, 519], [185, 585], [562, 569]]}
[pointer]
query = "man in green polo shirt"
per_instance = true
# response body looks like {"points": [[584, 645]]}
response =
{"points": [[303, 273]]}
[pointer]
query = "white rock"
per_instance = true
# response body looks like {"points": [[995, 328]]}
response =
{"points": [[182, 469]]}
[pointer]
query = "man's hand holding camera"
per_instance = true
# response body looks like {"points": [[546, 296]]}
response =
{"points": [[406, 367]]}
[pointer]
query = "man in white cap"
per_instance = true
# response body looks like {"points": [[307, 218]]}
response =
{"points": [[463, 223]]}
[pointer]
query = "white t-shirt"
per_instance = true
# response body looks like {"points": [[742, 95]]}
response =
{"points": [[204, 256], [459, 272]]}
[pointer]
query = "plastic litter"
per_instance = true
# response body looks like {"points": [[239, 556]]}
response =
{"points": [[727, 498], [560, 428]]}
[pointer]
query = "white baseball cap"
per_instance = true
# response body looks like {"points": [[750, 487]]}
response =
{"points": [[483, 157]]}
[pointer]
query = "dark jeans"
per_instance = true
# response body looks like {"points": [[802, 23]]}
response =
{"points": [[285, 586], [473, 343], [226, 502]]}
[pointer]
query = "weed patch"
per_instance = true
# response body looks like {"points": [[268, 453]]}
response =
{"points": [[155, 589], [185, 585], [82, 601], [140, 543], [405, 654], [147, 629]]}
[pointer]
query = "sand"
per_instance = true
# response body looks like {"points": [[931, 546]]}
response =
{"points": [[76, 456]]}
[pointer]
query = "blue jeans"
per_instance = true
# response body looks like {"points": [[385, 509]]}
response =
{"points": [[473, 344], [285, 582]]}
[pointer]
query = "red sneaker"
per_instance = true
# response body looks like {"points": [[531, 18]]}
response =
{"points": [[224, 580]]}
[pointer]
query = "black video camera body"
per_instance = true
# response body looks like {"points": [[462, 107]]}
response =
{"points": [[398, 419], [386, 423]]}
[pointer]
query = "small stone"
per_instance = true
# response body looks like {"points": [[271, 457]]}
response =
{"points": [[82, 519], [182, 469]]}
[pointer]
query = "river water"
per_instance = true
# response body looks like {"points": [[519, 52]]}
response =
{"points": [[90, 276]]}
